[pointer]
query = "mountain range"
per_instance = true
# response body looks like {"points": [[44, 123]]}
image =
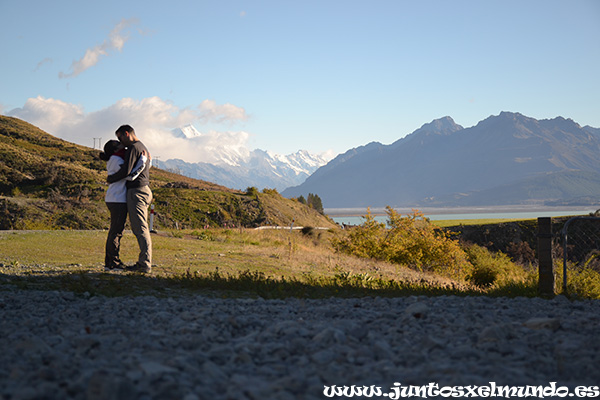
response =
{"points": [[506, 159], [239, 168]]}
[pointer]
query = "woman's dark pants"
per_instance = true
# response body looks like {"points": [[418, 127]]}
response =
{"points": [[118, 217]]}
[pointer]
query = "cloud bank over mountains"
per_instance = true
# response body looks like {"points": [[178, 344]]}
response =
{"points": [[153, 118], [170, 133]]}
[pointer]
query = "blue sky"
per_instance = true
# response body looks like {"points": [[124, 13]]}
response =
{"points": [[289, 75]]}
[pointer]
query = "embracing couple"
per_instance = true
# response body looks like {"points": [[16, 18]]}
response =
{"points": [[128, 166]]}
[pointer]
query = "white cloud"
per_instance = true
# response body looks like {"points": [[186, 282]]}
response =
{"points": [[213, 112], [50, 114], [116, 40], [152, 118]]}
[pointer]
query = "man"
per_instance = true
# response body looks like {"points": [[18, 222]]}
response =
{"points": [[139, 195]]}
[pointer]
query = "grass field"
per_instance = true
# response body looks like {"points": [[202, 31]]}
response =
{"points": [[267, 263], [232, 263]]}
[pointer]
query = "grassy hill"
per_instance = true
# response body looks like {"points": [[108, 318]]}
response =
{"points": [[49, 183]]}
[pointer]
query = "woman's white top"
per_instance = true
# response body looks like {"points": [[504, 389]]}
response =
{"points": [[116, 192]]}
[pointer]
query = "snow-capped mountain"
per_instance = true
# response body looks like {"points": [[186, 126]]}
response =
{"points": [[218, 148], [239, 168], [186, 132]]}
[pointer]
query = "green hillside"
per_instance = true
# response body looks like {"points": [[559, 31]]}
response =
{"points": [[49, 183]]}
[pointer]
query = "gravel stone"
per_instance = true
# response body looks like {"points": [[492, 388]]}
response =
{"points": [[62, 345]]}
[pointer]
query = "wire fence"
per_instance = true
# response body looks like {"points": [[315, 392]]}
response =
{"points": [[579, 245]]}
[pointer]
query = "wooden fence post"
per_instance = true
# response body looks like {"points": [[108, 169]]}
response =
{"points": [[546, 266]]}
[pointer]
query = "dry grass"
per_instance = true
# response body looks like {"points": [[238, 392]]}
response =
{"points": [[75, 260]]}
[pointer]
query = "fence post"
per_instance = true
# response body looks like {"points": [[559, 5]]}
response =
{"points": [[546, 270]]}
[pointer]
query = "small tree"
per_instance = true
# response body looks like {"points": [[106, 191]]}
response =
{"points": [[301, 199], [314, 201]]}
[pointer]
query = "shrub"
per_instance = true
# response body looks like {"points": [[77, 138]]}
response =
{"points": [[308, 231], [252, 191], [412, 241], [491, 269], [483, 276], [364, 240], [581, 282], [586, 283]]}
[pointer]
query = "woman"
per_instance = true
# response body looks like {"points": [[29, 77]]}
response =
{"points": [[116, 201]]}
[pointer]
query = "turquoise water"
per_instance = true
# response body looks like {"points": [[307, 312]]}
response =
{"points": [[354, 220]]}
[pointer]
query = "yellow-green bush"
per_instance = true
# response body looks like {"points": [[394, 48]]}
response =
{"points": [[364, 240], [415, 242], [581, 282], [412, 241], [492, 269]]}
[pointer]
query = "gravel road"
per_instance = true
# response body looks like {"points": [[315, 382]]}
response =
{"points": [[56, 345]]}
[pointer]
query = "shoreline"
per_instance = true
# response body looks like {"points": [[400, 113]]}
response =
{"points": [[380, 211]]}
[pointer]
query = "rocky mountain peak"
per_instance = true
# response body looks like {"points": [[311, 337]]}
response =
{"points": [[441, 126], [505, 159]]}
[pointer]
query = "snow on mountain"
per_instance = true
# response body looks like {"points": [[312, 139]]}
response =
{"points": [[228, 155], [219, 148], [186, 132], [301, 162], [237, 167]]}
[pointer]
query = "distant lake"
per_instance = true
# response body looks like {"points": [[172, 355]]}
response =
{"points": [[452, 214]]}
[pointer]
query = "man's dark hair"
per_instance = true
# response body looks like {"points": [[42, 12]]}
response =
{"points": [[124, 128]]}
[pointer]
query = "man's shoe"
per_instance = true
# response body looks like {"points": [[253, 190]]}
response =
{"points": [[139, 268]]}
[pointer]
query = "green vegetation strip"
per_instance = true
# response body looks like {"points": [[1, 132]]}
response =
{"points": [[276, 264], [222, 263]]}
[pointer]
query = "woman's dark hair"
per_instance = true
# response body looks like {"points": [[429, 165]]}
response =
{"points": [[109, 149]]}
